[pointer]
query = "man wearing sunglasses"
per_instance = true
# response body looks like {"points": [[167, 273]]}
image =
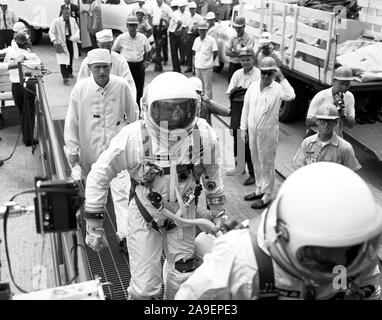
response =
{"points": [[326, 145], [340, 96], [260, 116]]}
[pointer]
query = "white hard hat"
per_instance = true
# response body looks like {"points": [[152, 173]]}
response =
{"points": [[171, 105], [343, 74], [327, 111], [210, 15], [19, 27], [265, 38], [4, 2], [174, 3], [196, 83], [182, 3], [268, 64], [324, 216], [192, 5]]}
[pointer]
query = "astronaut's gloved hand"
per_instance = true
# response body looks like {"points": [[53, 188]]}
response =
{"points": [[218, 217], [77, 173], [95, 234]]}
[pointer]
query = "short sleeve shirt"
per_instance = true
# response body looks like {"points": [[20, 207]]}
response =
{"points": [[335, 150], [326, 96], [242, 79], [204, 52], [132, 49], [239, 44]]}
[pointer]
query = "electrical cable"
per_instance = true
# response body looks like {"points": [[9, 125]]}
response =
{"points": [[5, 222], [75, 259], [14, 149]]}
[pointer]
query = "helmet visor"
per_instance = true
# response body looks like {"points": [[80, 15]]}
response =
{"points": [[174, 113], [319, 262]]}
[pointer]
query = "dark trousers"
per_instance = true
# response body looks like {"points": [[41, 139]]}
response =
{"points": [[239, 155], [138, 72], [175, 44], [161, 43], [232, 68], [25, 102], [66, 70], [190, 41], [93, 40], [6, 37], [182, 47]]}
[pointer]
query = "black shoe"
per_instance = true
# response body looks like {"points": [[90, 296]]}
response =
{"points": [[249, 181], [188, 70], [260, 204], [71, 75], [253, 196], [29, 143]]}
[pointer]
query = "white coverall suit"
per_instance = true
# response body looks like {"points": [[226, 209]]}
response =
{"points": [[128, 151], [230, 272], [94, 117], [260, 116]]}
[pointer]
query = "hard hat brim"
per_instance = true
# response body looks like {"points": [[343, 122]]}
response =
{"points": [[268, 69], [236, 25], [344, 78], [327, 117]]}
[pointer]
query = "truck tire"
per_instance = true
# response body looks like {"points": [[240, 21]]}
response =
{"points": [[219, 68], [34, 34]]}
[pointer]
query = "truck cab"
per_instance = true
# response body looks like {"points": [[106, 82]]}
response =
{"points": [[38, 15]]}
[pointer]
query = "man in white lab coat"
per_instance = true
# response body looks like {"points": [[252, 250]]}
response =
{"points": [[64, 33], [98, 109], [119, 66]]}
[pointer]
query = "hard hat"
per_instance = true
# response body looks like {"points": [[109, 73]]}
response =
{"points": [[203, 26], [268, 63], [4, 2], [141, 0], [192, 5], [19, 27], [174, 3], [196, 83], [324, 216], [265, 38], [343, 73], [132, 20], [140, 10], [172, 105], [327, 111], [247, 53], [182, 3], [210, 15], [239, 22]]}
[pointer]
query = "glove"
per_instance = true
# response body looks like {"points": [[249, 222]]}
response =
{"points": [[95, 234], [77, 173]]}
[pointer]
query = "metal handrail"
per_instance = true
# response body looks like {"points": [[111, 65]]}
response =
{"points": [[66, 238]]}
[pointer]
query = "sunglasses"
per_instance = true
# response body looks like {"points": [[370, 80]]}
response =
{"points": [[266, 73]]}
